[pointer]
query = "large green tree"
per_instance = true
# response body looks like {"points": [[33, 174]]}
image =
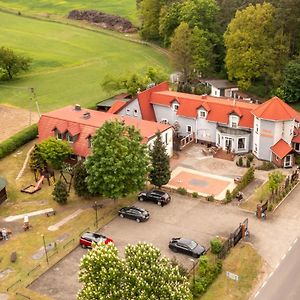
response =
{"points": [[251, 51], [160, 172], [181, 50], [135, 82], [142, 275], [80, 185], [54, 151], [291, 82], [119, 162], [11, 64]]}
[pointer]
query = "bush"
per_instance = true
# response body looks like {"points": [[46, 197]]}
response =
{"points": [[228, 197], [270, 207], [18, 140], [266, 166], [250, 156], [216, 245], [182, 191], [297, 160], [210, 198], [240, 161], [248, 163], [60, 193], [195, 195], [208, 271]]}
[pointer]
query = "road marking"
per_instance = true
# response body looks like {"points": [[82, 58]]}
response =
{"points": [[290, 248], [277, 266], [264, 284], [283, 257], [271, 275], [257, 293], [295, 241]]}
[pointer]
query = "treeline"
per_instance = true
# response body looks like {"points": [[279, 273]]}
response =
{"points": [[254, 42]]}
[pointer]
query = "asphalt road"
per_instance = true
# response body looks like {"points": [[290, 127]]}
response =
{"points": [[284, 283]]}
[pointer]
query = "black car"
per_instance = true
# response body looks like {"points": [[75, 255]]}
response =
{"points": [[135, 213], [159, 197], [186, 246]]}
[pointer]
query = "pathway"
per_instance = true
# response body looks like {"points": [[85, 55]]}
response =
{"points": [[30, 214], [65, 220]]}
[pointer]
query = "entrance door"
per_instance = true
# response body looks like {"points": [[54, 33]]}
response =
{"points": [[228, 144], [288, 161]]}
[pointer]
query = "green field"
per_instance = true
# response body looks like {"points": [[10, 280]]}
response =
{"points": [[69, 63], [124, 8]]}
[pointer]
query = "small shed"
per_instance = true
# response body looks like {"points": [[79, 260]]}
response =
{"points": [[3, 194]]}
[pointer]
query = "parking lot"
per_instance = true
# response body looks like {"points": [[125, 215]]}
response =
{"points": [[183, 217]]}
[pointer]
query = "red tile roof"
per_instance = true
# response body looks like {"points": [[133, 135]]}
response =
{"points": [[69, 119], [144, 101], [218, 108], [117, 106], [275, 109], [296, 138], [281, 148]]}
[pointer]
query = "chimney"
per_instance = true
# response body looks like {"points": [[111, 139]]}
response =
{"points": [[77, 107], [87, 115]]}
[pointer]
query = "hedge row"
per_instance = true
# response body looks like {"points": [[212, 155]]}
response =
{"points": [[207, 272], [18, 140], [245, 180]]}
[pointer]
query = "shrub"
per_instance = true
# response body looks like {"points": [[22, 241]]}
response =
{"points": [[266, 166], [228, 197], [216, 245], [60, 193], [210, 198], [240, 161], [297, 160], [195, 195], [182, 191], [207, 273], [18, 140], [270, 207], [248, 163], [250, 156]]}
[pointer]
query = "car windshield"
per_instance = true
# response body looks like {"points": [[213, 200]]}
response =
{"points": [[192, 245], [99, 239]]}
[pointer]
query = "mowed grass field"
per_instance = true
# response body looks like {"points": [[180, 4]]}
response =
{"points": [[123, 8], [69, 63]]}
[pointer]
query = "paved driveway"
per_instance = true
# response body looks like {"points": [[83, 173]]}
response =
{"points": [[186, 217]]}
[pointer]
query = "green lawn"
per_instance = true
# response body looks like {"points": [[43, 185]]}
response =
{"points": [[124, 8], [247, 264], [69, 63]]}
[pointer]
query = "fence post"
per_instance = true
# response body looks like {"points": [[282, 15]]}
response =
{"points": [[258, 210]]}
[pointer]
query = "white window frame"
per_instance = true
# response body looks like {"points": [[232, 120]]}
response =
{"points": [[290, 161], [255, 148], [164, 121], [241, 138], [135, 112], [187, 129], [59, 135], [297, 147], [127, 111], [166, 139], [202, 114], [70, 139], [234, 121], [175, 106]]}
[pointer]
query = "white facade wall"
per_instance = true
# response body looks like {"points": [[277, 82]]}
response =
{"points": [[215, 92], [132, 109], [167, 138]]}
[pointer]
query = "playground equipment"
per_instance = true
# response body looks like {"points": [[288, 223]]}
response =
{"points": [[3, 194], [67, 174], [31, 189]]}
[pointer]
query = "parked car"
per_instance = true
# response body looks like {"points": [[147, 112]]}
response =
{"points": [[186, 246], [88, 238], [159, 197], [135, 213]]}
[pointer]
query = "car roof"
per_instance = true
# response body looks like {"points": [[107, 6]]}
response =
{"points": [[89, 234], [158, 192], [185, 241], [135, 208]]}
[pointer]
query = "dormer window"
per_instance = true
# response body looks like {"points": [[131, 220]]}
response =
{"points": [[233, 121], [70, 138], [175, 106], [59, 135], [89, 141], [202, 114]]}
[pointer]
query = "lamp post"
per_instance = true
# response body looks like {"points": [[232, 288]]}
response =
{"points": [[96, 210], [45, 249], [194, 270]]}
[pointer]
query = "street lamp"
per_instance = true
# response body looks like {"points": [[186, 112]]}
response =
{"points": [[45, 249], [96, 210], [194, 270]]}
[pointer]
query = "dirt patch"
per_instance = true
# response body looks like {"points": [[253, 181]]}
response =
{"points": [[13, 120], [103, 20]]}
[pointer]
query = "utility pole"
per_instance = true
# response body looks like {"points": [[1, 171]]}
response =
{"points": [[33, 97], [45, 248]]}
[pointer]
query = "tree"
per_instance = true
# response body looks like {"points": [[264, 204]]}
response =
{"points": [[134, 82], [150, 10], [60, 193], [54, 151], [36, 161], [80, 185], [142, 275], [119, 162], [250, 48], [181, 50], [291, 82], [11, 64], [160, 173], [275, 179]]}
